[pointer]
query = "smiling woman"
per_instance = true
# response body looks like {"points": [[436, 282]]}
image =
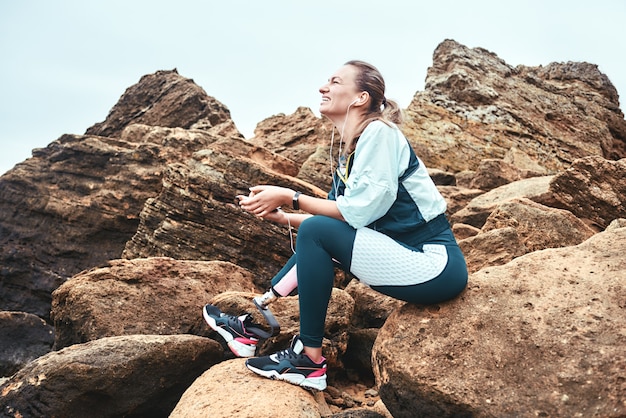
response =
{"points": [[383, 221]]}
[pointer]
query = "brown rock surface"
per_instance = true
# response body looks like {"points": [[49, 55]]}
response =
{"points": [[301, 137], [476, 212], [492, 173], [195, 216], [211, 395], [132, 375], [539, 226], [165, 99], [23, 337], [141, 296], [476, 106], [75, 203], [593, 189], [540, 336], [520, 226]]}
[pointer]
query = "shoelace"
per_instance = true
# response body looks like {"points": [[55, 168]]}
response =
{"points": [[287, 353]]}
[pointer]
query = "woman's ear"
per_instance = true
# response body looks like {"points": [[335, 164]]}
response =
{"points": [[362, 99]]}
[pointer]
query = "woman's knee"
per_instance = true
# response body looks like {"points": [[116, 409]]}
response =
{"points": [[333, 236], [318, 226]]}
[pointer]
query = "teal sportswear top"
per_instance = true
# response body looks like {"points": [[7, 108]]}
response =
{"points": [[386, 187]]}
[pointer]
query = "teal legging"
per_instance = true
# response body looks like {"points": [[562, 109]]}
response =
{"points": [[324, 241]]}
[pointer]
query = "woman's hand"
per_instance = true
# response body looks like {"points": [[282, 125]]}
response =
{"points": [[264, 200]]}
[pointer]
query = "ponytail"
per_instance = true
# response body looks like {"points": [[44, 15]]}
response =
{"points": [[391, 112]]}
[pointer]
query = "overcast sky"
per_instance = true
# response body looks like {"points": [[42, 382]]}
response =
{"points": [[64, 63]]}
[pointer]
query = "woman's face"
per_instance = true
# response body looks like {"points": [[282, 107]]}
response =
{"points": [[339, 92]]}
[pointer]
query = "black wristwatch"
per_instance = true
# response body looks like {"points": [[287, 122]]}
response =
{"points": [[295, 204]]}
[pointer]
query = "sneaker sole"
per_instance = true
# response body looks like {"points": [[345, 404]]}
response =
{"points": [[318, 383], [238, 349]]}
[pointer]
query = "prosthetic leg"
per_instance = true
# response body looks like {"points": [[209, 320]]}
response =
{"points": [[261, 302]]}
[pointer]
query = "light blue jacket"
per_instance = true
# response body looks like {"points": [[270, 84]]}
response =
{"points": [[388, 188]]}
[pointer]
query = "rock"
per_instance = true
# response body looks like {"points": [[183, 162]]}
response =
{"points": [[462, 231], [164, 99], [23, 337], [539, 336], [76, 203], [303, 138], [520, 226], [617, 223], [79, 201], [464, 178], [442, 178], [157, 296], [478, 209], [358, 356], [475, 106], [492, 173], [212, 395], [359, 413], [538, 226], [132, 375], [457, 197], [371, 308], [593, 189], [492, 248]]}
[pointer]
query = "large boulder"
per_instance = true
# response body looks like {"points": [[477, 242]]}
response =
{"points": [[479, 208], [540, 336], [301, 137], [211, 395], [519, 226], [132, 376], [141, 296]]}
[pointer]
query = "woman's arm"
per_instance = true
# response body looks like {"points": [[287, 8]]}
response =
{"points": [[263, 200]]}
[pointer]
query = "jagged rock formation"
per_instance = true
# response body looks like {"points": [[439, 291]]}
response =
{"points": [[168, 100], [195, 215], [476, 106], [304, 139], [128, 230], [76, 203]]}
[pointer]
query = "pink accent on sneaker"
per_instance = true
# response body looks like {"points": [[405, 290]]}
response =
{"points": [[320, 372], [246, 340], [288, 283]]}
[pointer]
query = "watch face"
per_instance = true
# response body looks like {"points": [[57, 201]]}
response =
{"points": [[296, 205]]}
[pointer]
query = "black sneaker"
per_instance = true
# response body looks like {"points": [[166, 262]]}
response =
{"points": [[233, 329], [291, 365]]}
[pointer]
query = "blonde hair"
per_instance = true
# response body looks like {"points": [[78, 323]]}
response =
{"points": [[380, 108]]}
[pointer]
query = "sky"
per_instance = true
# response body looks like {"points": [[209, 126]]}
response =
{"points": [[65, 63]]}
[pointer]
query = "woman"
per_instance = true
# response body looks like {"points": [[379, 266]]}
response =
{"points": [[383, 222]]}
